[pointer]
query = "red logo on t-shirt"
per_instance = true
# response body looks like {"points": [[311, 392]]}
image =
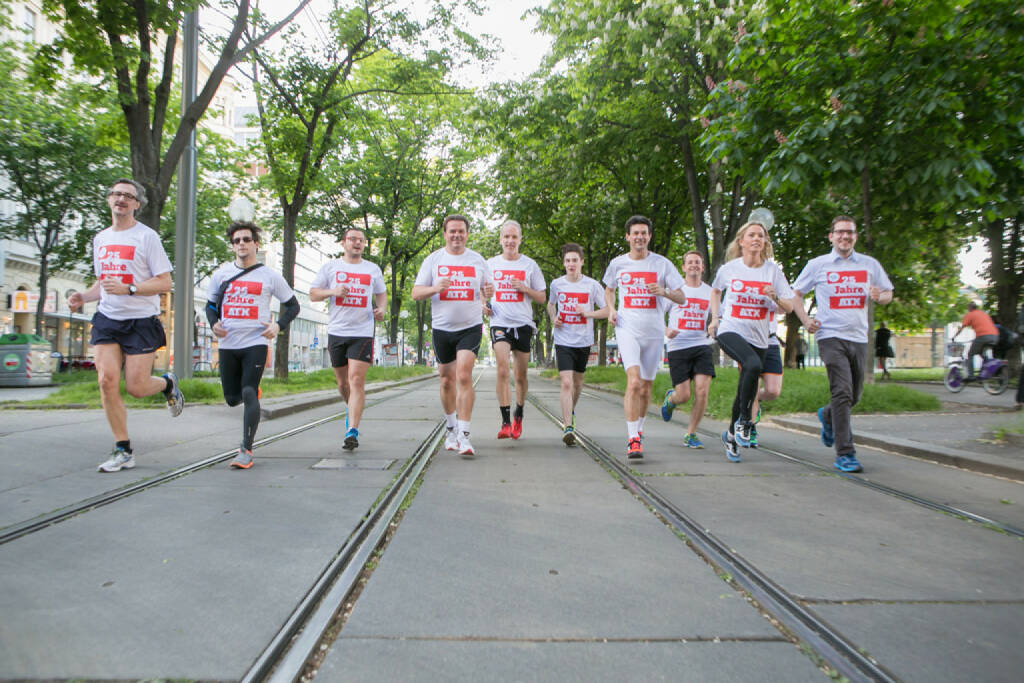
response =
{"points": [[240, 300], [121, 252], [460, 287], [848, 288], [504, 292], [358, 289], [693, 315], [113, 260], [569, 306], [749, 312], [633, 285]]}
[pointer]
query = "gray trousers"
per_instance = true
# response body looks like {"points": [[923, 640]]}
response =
{"points": [[844, 361]]}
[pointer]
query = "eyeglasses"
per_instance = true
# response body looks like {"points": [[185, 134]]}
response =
{"points": [[844, 232], [239, 240], [122, 195]]}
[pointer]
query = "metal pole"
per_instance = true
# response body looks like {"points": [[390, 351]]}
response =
{"points": [[185, 225]]}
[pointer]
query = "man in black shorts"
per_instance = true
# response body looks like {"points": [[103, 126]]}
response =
{"points": [[571, 308], [690, 360], [132, 270], [238, 310], [456, 280]]}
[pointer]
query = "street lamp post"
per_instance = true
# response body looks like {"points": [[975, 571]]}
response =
{"points": [[403, 315]]}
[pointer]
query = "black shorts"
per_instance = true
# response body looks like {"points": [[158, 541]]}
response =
{"points": [[135, 336], [448, 344], [343, 348], [684, 364], [241, 368], [572, 357], [772, 361], [517, 337]]}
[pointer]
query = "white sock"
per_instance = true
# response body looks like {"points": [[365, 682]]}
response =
{"points": [[641, 422], [463, 427], [634, 428], [450, 420]]}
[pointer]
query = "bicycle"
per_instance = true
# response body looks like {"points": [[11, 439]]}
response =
{"points": [[994, 374]]}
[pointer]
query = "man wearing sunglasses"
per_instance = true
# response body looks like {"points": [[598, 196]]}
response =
{"points": [[132, 270], [238, 309], [357, 298]]}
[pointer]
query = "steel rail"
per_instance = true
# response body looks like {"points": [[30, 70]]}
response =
{"points": [[829, 644]]}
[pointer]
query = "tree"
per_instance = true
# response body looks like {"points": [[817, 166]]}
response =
{"points": [[123, 44], [57, 165]]}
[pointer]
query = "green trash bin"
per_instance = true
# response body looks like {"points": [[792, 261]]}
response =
{"points": [[25, 361]]}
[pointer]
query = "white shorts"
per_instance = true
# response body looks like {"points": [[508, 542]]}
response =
{"points": [[645, 353]]}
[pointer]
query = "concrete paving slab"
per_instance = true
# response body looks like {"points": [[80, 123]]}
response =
{"points": [[937, 643], [358, 659]]}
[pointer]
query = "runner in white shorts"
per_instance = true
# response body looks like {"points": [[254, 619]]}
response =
{"points": [[456, 280], [640, 278]]}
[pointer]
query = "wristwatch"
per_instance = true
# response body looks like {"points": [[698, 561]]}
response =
{"points": [[132, 289]]}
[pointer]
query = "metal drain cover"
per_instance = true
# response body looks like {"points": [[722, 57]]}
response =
{"points": [[352, 464]]}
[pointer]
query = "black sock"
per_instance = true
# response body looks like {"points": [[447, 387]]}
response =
{"points": [[519, 412], [506, 412], [126, 445], [168, 385]]}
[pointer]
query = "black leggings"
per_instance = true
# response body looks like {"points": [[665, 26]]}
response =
{"points": [[240, 373], [751, 360]]}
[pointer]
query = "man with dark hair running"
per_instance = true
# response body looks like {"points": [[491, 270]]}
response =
{"points": [[358, 297], [132, 270], [238, 310]]}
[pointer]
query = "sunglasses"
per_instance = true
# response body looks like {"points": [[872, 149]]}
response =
{"points": [[239, 240]]}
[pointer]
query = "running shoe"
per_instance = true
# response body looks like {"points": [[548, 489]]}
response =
{"points": [[243, 460], [848, 463], [451, 440], [351, 439], [569, 436], [827, 437], [634, 449], [731, 451], [691, 441], [465, 447], [120, 459], [517, 427], [758, 418], [753, 436], [667, 406], [175, 399], [505, 432], [741, 433]]}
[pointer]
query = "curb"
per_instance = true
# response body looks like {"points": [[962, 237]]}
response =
{"points": [[915, 449], [299, 406]]}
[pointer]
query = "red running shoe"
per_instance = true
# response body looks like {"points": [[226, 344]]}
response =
{"points": [[517, 427], [505, 432], [635, 449]]}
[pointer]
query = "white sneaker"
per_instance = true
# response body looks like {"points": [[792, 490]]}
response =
{"points": [[120, 459], [451, 440], [465, 447]]}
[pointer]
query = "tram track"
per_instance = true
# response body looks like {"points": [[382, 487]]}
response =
{"points": [[906, 496], [833, 647], [38, 523]]}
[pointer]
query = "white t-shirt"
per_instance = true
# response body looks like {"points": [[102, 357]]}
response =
{"points": [[509, 306], [245, 309], [746, 310], [131, 256], [691, 319], [352, 315], [458, 307], [841, 287], [570, 298], [638, 311]]}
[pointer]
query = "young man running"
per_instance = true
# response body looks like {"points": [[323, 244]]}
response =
{"points": [[690, 361], [357, 297], [842, 281], [640, 276], [132, 270], [518, 283], [238, 309], [571, 308], [455, 279]]}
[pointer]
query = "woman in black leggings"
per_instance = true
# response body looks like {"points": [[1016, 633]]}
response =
{"points": [[753, 286]]}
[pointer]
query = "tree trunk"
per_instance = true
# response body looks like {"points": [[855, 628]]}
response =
{"points": [[602, 343], [792, 339], [869, 243], [44, 277], [420, 315], [288, 272]]}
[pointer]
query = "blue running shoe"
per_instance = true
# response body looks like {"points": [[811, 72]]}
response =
{"points": [[691, 441], [351, 439], [667, 406], [848, 463], [741, 432], [731, 451], [827, 437]]}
